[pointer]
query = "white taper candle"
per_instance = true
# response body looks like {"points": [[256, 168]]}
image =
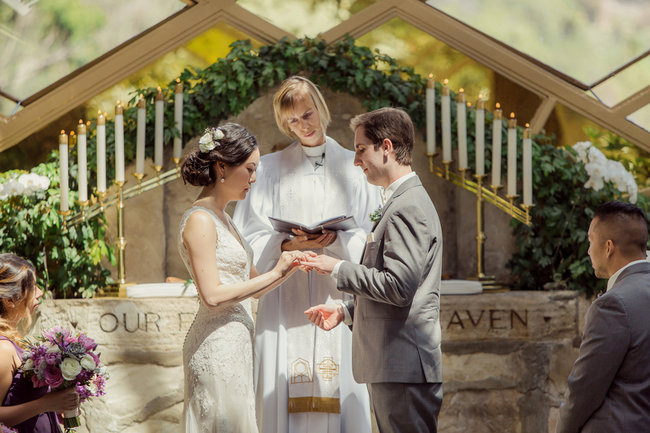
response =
{"points": [[140, 137], [178, 118], [480, 137], [446, 122], [158, 132], [63, 170], [119, 142], [512, 155], [82, 162], [431, 115], [461, 126], [528, 166], [101, 153], [496, 146]]}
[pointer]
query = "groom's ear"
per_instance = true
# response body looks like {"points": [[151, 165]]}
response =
{"points": [[387, 146]]}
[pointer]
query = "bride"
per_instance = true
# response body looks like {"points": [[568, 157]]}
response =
{"points": [[217, 353]]}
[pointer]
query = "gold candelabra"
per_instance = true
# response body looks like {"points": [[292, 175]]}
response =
{"points": [[483, 194]]}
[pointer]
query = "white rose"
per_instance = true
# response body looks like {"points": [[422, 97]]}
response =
{"points": [[70, 368], [594, 183], [218, 134], [581, 148], [44, 182], [596, 155], [14, 188], [88, 363], [28, 365], [205, 143], [3, 194]]}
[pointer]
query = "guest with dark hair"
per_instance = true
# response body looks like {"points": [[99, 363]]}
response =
{"points": [[24, 407], [218, 351], [609, 385]]}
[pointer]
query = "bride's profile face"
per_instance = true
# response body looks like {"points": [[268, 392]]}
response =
{"points": [[238, 179]]}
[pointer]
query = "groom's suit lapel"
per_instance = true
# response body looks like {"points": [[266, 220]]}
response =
{"points": [[408, 184]]}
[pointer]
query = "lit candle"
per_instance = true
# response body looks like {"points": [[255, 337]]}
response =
{"points": [[512, 155], [431, 115], [82, 179], [140, 135], [178, 119], [119, 142], [446, 122], [101, 153], [496, 146], [480, 137], [528, 166], [461, 126], [158, 135], [63, 170]]}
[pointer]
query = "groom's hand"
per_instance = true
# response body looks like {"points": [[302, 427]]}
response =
{"points": [[326, 316], [322, 264]]}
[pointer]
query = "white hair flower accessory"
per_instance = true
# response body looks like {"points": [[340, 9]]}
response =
{"points": [[210, 139]]}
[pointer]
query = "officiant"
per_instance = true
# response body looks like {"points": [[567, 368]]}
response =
{"points": [[303, 374]]}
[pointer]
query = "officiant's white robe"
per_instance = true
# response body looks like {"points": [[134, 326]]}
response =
{"points": [[288, 186]]}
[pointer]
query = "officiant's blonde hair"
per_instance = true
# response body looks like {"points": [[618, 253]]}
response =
{"points": [[291, 90]]}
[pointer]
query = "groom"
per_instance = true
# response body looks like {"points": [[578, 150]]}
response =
{"points": [[395, 312]]}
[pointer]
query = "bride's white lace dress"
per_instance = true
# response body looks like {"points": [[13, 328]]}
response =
{"points": [[218, 350]]}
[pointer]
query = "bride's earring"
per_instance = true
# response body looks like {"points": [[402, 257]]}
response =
{"points": [[223, 179]]}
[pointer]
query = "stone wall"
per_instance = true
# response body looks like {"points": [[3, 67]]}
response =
{"points": [[506, 358], [152, 219]]}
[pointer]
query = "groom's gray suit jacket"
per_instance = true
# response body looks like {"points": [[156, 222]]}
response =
{"points": [[396, 309], [609, 385]]}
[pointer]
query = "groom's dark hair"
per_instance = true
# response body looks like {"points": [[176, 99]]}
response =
{"points": [[391, 123]]}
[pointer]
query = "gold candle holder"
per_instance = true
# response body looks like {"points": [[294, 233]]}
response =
{"points": [[139, 177], [447, 164], [431, 156], [177, 162], [495, 189], [462, 174], [511, 199], [83, 205], [121, 240], [101, 195], [64, 214], [527, 208], [158, 170]]}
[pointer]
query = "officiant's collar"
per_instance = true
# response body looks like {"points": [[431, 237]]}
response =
{"points": [[315, 150], [388, 192]]}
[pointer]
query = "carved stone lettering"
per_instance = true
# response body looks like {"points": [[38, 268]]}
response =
{"points": [[108, 322], [496, 319], [455, 320], [147, 321]]}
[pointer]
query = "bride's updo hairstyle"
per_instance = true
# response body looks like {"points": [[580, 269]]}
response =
{"points": [[231, 144], [17, 283]]}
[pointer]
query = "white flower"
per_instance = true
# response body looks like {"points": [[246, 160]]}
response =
{"points": [[595, 183], [88, 363], [28, 365], [595, 155], [53, 349], [34, 182], [209, 140], [92, 388], [70, 368], [14, 188], [581, 147]]}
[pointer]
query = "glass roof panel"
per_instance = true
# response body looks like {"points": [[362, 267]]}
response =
{"points": [[43, 41], [583, 39], [200, 52], [305, 17], [625, 83], [641, 117]]}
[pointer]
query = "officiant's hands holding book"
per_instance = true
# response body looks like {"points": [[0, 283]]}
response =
{"points": [[305, 241]]}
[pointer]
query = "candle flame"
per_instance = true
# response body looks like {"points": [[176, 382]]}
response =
{"points": [[71, 132], [430, 76], [469, 104], [178, 80], [159, 89], [62, 132], [527, 125], [118, 102], [81, 122], [141, 96], [498, 105], [88, 123], [461, 90], [512, 115], [445, 81], [99, 112]]}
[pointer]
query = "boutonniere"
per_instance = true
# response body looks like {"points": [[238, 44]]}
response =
{"points": [[376, 215]]}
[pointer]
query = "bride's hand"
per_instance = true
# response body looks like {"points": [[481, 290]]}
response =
{"points": [[290, 260]]}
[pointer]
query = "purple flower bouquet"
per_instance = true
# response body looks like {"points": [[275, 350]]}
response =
{"points": [[60, 360]]}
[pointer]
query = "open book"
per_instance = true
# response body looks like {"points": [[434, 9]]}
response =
{"points": [[337, 223]]}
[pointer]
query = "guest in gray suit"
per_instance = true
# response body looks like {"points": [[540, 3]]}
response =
{"points": [[396, 288], [609, 385]]}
